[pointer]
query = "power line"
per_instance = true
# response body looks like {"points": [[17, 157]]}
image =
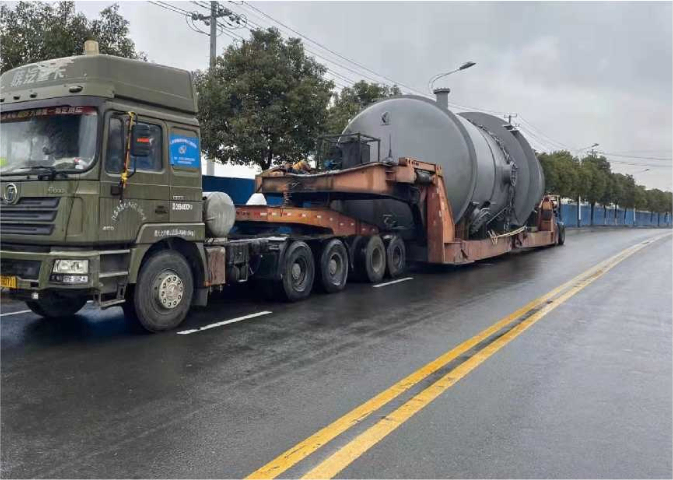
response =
{"points": [[254, 9], [332, 51], [635, 156], [349, 82]]}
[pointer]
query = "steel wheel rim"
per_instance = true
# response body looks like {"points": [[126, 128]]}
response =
{"points": [[335, 265], [168, 290], [298, 273]]}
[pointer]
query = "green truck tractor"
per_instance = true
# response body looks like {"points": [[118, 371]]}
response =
{"points": [[101, 189]]}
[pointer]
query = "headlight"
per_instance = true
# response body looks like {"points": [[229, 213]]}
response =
{"points": [[71, 266]]}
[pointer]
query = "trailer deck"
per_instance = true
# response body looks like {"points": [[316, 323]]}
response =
{"points": [[419, 184]]}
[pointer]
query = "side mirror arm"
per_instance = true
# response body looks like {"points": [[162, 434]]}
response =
{"points": [[127, 158]]}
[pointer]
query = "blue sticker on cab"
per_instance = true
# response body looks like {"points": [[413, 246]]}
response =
{"points": [[185, 151]]}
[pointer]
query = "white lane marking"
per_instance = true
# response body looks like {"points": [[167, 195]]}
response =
{"points": [[14, 313], [225, 322], [393, 282]]}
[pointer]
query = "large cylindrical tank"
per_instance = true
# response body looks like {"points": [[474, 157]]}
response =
{"points": [[491, 174]]}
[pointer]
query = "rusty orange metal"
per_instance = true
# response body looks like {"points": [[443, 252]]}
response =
{"points": [[328, 219], [444, 244]]}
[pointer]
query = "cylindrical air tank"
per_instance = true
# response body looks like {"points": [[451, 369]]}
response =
{"points": [[491, 174]]}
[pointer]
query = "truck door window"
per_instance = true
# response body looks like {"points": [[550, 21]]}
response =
{"points": [[114, 162]]}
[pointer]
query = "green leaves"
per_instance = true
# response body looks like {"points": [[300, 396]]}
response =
{"points": [[353, 99], [35, 31], [593, 180], [264, 102]]}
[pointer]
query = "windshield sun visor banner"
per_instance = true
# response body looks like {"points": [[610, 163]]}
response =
{"points": [[185, 151], [44, 112]]}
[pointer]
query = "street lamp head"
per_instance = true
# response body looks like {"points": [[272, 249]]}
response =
{"points": [[464, 66], [594, 145]]}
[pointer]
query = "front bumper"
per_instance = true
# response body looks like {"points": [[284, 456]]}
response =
{"points": [[33, 270]]}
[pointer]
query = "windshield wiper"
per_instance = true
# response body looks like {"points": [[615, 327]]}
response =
{"points": [[53, 172]]}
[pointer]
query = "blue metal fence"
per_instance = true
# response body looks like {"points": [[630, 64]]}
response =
{"points": [[612, 216]]}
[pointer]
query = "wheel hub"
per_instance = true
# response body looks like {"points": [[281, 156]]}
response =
{"points": [[333, 266], [168, 289], [296, 271]]}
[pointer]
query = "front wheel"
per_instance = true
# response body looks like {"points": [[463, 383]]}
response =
{"points": [[163, 293], [57, 306]]}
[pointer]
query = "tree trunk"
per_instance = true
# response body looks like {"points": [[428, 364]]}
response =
{"points": [[579, 205], [591, 217]]}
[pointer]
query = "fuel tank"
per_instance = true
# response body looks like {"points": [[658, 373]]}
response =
{"points": [[491, 174]]}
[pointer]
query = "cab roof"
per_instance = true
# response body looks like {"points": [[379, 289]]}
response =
{"points": [[102, 76]]}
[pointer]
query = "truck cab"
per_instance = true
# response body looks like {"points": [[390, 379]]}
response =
{"points": [[100, 172]]}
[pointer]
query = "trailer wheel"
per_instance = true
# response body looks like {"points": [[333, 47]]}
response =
{"points": [[57, 306], [164, 290], [396, 257], [298, 272], [333, 266], [373, 260]]}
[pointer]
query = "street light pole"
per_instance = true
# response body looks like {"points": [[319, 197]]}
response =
{"points": [[464, 66]]}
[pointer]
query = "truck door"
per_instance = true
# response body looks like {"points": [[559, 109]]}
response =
{"points": [[146, 196], [184, 155]]}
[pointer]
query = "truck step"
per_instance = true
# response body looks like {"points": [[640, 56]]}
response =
{"points": [[111, 303]]}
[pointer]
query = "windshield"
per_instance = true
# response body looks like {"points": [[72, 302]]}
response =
{"points": [[62, 138]]}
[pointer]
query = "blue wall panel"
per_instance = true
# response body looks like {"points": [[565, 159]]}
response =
{"points": [[239, 189], [612, 217]]}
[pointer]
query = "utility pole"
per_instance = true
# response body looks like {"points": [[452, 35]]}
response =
{"points": [[216, 11], [213, 33]]}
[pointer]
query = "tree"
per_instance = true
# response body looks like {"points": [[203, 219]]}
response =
{"points": [[596, 170], [353, 99], [626, 192], [264, 102], [36, 31], [561, 173]]}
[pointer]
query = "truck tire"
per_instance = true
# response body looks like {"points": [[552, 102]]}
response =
{"points": [[372, 260], [163, 293], [396, 257], [57, 306], [298, 272], [333, 266]]}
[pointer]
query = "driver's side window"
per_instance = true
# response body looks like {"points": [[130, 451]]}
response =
{"points": [[114, 158]]}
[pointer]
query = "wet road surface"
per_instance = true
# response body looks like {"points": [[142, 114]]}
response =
{"points": [[583, 392]]}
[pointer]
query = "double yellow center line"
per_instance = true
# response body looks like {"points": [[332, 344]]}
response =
{"points": [[522, 319]]}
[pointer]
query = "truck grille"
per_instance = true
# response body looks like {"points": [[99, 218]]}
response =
{"points": [[27, 269], [29, 216]]}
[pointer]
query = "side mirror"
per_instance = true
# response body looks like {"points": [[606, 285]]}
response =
{"points": [[140, 140]]}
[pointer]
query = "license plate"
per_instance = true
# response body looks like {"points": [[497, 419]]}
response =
{"points": [[7, 282]]}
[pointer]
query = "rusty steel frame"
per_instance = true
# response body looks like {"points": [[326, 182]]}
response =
{"points": [[340, 225], [383, 180]]}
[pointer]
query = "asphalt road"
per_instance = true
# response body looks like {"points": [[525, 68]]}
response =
{"points": [[584, 391]]}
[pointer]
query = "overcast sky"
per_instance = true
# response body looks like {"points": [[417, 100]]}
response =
{"points": [[576, 73]]}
